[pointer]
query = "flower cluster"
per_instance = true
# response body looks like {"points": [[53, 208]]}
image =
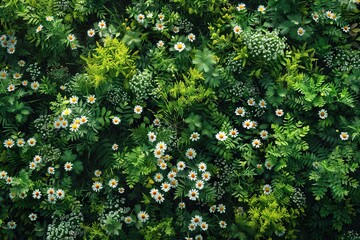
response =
{"points": [[142, 85], [65, 226], [343, 59]]}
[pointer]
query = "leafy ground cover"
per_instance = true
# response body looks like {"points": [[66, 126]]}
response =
{"points": [[180, 119]]}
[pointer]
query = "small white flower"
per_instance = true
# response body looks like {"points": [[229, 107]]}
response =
{"points": [[97, 186], [194, 136], [151, 136], [102, 24], [267, 189], [74, 100], [179, 46], [9, 143], [165, 186], [97, 173], [279, 112], [233, 132], [221, 136], [204, 226], [159, 198], [158, 177], [51, 170], [241, 7], [138, 109], [191, 37], [11, 224], [237, 29], [115, 147], [181, 165], [182, 205], [221, 208], [60, 194], [116, 120], [202, 167], [11, 88], [31, 142], [36, 194], [192, 175], [206, 176], [222, 224], [261, 9], [344, 136], [35, 85], [240, 111], [190, 153], [32, 165], [199, 184], [160, 44], [256, 143], [143, 216], [113, 183], [300, 31], [323, 114], [32, 216], [193, 194], [68, 166]]}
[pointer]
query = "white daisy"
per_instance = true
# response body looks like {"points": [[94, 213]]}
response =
{"points": [[138, 109], [193, 194], [97, 186], [116, 120], [221, 136], [143, 216], [190, 153], [179, 46]]}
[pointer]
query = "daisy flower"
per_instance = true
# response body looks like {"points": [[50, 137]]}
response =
{"points": [[262, 103], [52, 199], [156, 122], [91, 32], [36, 194], [161, 17], [143, 216], [11, 50], [121, 190], [66, 112], [344, 136], [174, 183], [193, 194], [190, 153], [233, 133], [60, 194], [64, 124], [31, 142], [221, 208], [9, 143], [83, 119], [315, 17], [261, 9], [192, 175], [37, 159], [161, 145], [35, 85], [323, 114], [159, 26], [247, 124], [158, 153], [191, 37], [97, 186], [71, 37], [241, 6], [128, 220], [3, 38], [160, 44], [212, 209], [51, 170], [23, 195], [279, 112], [256, 143], [206, 176], [74, 100], [268, 165], [264, 134], [179, 46], [251, 102], [346, 28], [68, 166], [115, 147], [199, 184], [158, 177], [181, 165], [24, 83], [204, 226], [102, 24], [333, 16], [267, 189], [171, 175], [32, 216], [222, 224], [57, 124], [182, 205], [192, 227], [240, 111], [113, 183], [3, 175], [176, 29], [50, 191], [165, 186], [198, 237], [196, 220], [11, 88], [138, 109], [11, 224], [39, 28], [3, 74], [91, 99], [159, 198], [237, 29], [300, 31], [9, 180], [97, 173], [202, 167], [151, 136], [194, 136], [16, 75], [116, 120], [221, 136], [154, 192], [74, 127], [140, 18]]}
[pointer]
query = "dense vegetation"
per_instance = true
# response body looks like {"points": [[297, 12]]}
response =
{"points": [[181, 119]]}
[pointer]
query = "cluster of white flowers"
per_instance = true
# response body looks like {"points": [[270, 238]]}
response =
{"points": [[141, 85], [9, 42], [264, 46], [66, 226], [343, 59]]}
